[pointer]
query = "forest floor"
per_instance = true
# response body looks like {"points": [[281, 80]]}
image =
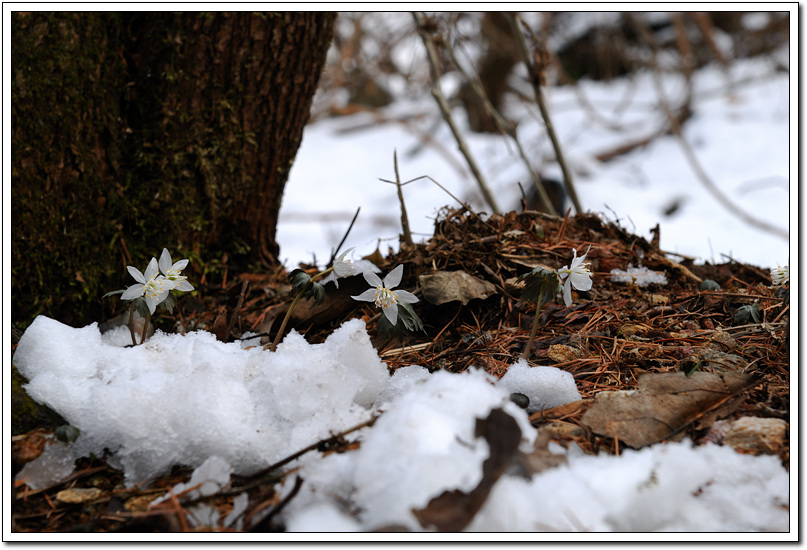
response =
{"points": [[667, 341]]}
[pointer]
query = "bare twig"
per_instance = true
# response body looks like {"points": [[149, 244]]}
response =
{"points": [[437, 183], [535, 80], [504, 127], [407, 234], [313, 447], [446, 111], [344, 237]]}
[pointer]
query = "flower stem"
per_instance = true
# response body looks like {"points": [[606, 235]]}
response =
{"points": [[131, 323], [273, 345], [145, 328], [527, 350]]}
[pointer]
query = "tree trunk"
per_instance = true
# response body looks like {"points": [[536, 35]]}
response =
{"points": [[244, 84], [137, 131]]}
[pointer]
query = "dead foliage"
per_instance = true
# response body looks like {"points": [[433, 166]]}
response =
{"points": [[676, 344]]}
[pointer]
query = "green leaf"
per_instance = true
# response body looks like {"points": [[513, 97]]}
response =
{"points": [[298, 279], [408, 321], [316, 291], [745, 314], [141, 307], [169, 303], [539, 232], [709, 284], [409, 318], [539, 284]]}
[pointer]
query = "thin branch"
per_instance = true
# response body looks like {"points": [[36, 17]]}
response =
{"points": [[446, 111], [313, 447], [535, 80], [504, 127], [344, 238], [407, 234], [437, 183]]}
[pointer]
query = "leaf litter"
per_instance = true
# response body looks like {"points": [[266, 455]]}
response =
{"points": [[651, 364]]}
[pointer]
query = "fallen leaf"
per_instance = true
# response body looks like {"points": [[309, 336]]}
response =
{"points": [[451, 286], [664, 404], [453, 510]]}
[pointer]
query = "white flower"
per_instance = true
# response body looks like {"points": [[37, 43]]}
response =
{"points": [[153, 286], [780, 275], [343, 267], [171, 272], [383, 295], [577, 275]]}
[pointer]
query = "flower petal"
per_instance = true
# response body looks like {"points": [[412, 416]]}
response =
{"points": [[184, 286], [580, 281], [567, 292], [134, 291], [165, 261], [180, 265], [134, 272], [151, 270], [405, 297], [152, 302], [391, 313], [394, 277], [372, 279], [366, 296], [343, 267], [345, 253]]}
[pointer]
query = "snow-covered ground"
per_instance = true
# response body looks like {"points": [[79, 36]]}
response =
{"points": [[740, 133], [222, 409]]}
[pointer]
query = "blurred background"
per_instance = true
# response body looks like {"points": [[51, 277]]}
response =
{"points": [[680, 120]]}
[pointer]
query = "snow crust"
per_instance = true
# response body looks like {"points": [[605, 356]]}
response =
{"points": [[222, 409], [181, 399], [546, 387]]}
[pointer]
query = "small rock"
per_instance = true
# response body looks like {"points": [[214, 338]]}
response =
{"points": [[753, 435]]}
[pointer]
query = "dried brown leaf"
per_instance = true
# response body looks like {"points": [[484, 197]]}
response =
{"points": [[663, 404], [451, 286]]}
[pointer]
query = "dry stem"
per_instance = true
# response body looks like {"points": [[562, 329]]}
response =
{"points": [[532, 70], [446, 111]]}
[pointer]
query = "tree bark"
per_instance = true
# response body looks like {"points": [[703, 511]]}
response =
{"points": [[244, 85], [137, 131]]}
